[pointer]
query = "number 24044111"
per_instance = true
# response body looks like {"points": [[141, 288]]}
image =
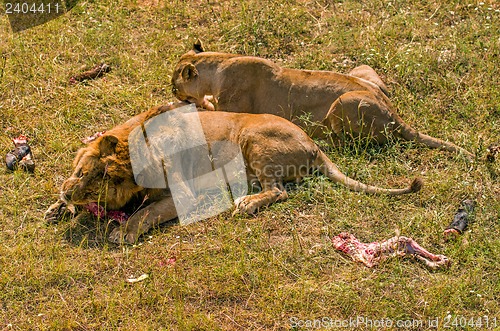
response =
{"points": [[32, 8]]}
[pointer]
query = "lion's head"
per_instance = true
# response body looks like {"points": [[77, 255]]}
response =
{"points": [[102, 173]]}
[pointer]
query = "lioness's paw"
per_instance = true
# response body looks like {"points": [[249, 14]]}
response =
{"points": [[208, 102], [246, 204], [120, 235]]}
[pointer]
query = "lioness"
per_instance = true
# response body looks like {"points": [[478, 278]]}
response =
{"points": [[274, 151], [355, 104]]}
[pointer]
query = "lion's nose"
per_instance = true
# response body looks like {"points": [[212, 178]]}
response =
{"points": [[174, 89]]}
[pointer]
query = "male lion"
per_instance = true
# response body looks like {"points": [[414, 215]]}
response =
{"points": [[355, 104], [273, 149]]}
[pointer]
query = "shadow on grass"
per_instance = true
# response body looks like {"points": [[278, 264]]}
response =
{"points": [[89, 232]]}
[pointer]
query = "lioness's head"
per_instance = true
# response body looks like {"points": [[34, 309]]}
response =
{"points": [[184, 78], [102, 173]]}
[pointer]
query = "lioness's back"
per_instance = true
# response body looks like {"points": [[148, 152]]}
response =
{"points": [[218, 125]]}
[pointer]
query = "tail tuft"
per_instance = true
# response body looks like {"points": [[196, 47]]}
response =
{"points": [[417, 184]]}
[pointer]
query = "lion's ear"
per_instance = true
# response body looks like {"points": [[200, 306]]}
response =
{"points": [[198, 47], [107, 145], [189, 72]]}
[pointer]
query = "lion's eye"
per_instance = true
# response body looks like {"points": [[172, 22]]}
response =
{"points": [[79, 173]]}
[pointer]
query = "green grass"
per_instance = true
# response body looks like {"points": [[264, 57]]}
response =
{"points": [[440, 61]]}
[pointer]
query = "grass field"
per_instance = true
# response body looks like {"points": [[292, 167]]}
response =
{"points": [[276, 271]]}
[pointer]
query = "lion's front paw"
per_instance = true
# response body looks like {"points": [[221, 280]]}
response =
{"points": [[246, 204], [122, 235], [57, 210]]}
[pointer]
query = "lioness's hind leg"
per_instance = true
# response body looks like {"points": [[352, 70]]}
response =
{"points": [[360, 114], [368, 73], [250, 204]]}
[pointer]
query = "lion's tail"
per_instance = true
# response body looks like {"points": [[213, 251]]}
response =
{"points": [[410, 134], [329, 169]]}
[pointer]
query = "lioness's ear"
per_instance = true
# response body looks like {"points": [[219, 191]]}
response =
{"points": [[189, 72], [198, 47], [107, 146]]}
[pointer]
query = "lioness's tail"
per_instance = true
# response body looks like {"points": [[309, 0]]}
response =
{"points": [[331, 171], [410, 134]]}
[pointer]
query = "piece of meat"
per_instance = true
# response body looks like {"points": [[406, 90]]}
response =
{"points": [[11, 161], [93, 73], [21, 156], [461, 219], [99, 211], [371, 254]]}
